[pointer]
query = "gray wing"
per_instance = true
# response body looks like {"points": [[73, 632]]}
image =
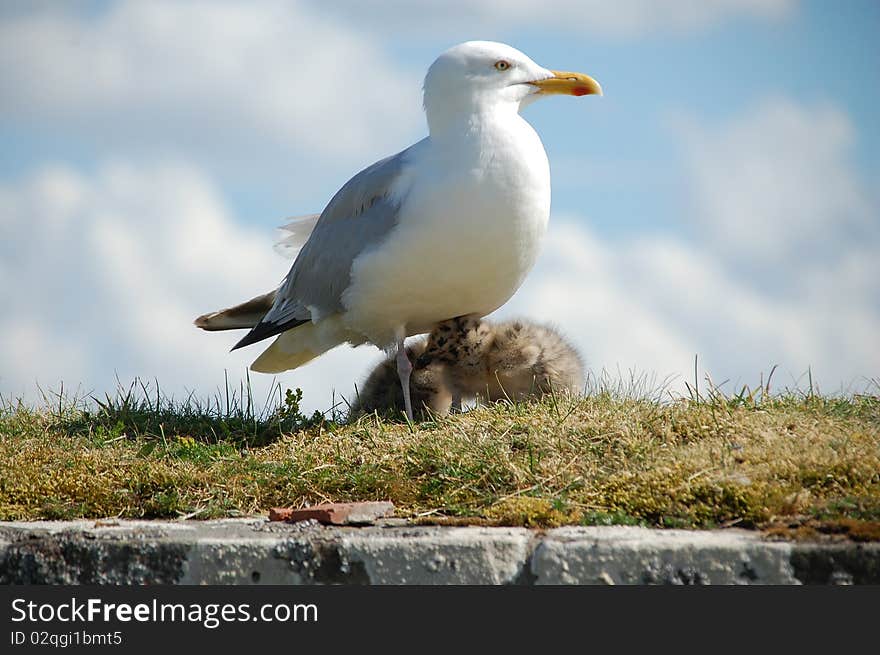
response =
{"points": [[358, 217]]}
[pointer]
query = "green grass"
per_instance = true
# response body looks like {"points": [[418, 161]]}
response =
{"points": [[625, 455]]}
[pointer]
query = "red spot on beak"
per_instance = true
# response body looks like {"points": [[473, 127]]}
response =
{"points": [[580, 91]]}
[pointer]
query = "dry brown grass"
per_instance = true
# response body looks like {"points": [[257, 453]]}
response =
{"points": [[600, 459]]}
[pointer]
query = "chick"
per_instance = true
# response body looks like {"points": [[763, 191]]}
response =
{"points": [[511, 360], [471, 358], [381, 390]]}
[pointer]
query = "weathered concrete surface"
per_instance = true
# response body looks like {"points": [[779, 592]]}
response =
{"points": [[254, 550], [621, 555]]}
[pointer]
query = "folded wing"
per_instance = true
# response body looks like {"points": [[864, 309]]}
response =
{"points": [[359, 217]]}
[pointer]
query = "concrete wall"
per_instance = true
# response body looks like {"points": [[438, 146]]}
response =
{"points": [[256, 551]]}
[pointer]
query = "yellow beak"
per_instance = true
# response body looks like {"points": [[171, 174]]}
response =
{"points": [[573, 84]]}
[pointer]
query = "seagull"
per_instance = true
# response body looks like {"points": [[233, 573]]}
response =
{"points": [[448, 227]]}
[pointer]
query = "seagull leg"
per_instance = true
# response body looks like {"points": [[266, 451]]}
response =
{"points": [[404, 368]]}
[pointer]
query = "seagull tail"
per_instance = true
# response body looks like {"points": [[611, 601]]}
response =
{"points": [[302, 344], [244, 315]]}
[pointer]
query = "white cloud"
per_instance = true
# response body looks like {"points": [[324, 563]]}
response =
{"points": [[779, 184], [206, 75], [102, 275], [273, 97], [778, 197], [651, 304], [620, 19]]}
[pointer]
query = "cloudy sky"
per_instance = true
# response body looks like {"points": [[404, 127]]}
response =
{"points": [[721, 201]]}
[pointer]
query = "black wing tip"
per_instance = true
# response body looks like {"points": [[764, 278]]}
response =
{"points": [[264, 331], [257, 333]]}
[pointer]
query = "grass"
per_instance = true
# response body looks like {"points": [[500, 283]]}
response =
{"points": [[617, 456]]}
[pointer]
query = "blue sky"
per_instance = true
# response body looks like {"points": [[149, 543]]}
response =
{"points": [[720, 200]]}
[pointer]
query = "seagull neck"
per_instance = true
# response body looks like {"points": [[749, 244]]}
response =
{"points": [[458, 125]]}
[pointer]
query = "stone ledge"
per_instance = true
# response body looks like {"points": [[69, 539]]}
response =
{"points": [[256, 551]]}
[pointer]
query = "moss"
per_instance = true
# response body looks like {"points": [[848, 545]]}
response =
{"points": [[832, 530], [532, 513]]}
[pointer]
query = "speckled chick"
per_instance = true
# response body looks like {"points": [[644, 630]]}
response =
{"points": [[510, 360]]}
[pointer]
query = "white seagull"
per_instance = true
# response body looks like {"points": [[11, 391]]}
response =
{"points": [[450, 226]]}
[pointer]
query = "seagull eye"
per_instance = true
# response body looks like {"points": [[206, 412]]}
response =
{"points": [[502, 65]]}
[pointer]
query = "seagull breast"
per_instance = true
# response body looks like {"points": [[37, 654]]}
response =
{"points": [[474, 208]]}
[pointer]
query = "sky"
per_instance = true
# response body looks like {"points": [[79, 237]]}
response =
{"points": [[720, 202]]}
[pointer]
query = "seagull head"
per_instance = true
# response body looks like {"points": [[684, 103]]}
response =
{"points": [[479, 76]]}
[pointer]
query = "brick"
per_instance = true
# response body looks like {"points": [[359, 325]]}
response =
{"points": [[335, 513]]}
